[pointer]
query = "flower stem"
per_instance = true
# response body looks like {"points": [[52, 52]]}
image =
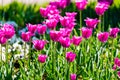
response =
{"points": [[99, 26], [80, 20], [68, 67]]}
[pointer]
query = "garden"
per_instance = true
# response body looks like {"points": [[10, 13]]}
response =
{"points": [[60, 40]]}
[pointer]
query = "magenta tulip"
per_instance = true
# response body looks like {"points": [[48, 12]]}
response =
{"points": [[73, 76], [101, 8], [91, 23], [42, 58], [67, 22], [110, 2], [118, 74], [81, 4], [55, 35], [26, 36], [41, 29], [76, 40], [43, 12], [114, 32], [103, 36], [70, 56], [71, 14], [31, 28], [65, 32], [8, 30], [65, 42], [3, 40], [51, 23], [86, 32], [39, 44]]}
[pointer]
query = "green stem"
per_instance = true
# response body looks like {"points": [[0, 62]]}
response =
{"points": [[103, 23], [80, 20], [99, 25], [1, 53], [68, 67]]}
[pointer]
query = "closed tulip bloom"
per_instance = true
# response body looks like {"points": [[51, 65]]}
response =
{"points": [[101, 8], [86, 32], [42, 58], [72, 76], [110, 2], [81, 4], [114, 67], [70, 56], [31, 28], [8, 30], [26, 36], [76, 40], [41, 29], [103, 36], [65, 42], [55, 35], [113, 32], [39, 44], [92, 23], [51, 23]]}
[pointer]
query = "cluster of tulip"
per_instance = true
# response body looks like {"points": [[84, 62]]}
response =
{"points": [[64, 35]]}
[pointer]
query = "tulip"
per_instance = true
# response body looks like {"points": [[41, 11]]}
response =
{"points": [[114, 32], [114, 67], [43, 12], [41, 29], [26, 36], [76, 40], [31, 28], [55, 35], [51, 23], [8, 31], [67, 22], [118, 74], [110, 2], [86, 32], [39, 44], [42, 58], [72, 76], [81, 4], [70, 56], [65, 32], [91, 23], [65, 42], [71, 14], [3, 40], [103, 36], [101, 8]]}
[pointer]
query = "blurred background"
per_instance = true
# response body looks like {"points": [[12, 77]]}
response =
{"points": [[21, 12]]}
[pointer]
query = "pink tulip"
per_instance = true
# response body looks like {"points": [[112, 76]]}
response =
{"points": [[72, 76], [42, 58], [76, 40], [114, 32], [101, 8], [8, 30], [39, 44], [31, 28], [67, 22], [65, 42], [118, 74], [71, 14], [91, 23], [55, 35], [103, 36], [70, 56], [26, 36], [55, 16], [114, 67], [43, 12], [51, 23], [65, 32], [3, 40], [41, 29], [81, 4], [86, 32]]}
